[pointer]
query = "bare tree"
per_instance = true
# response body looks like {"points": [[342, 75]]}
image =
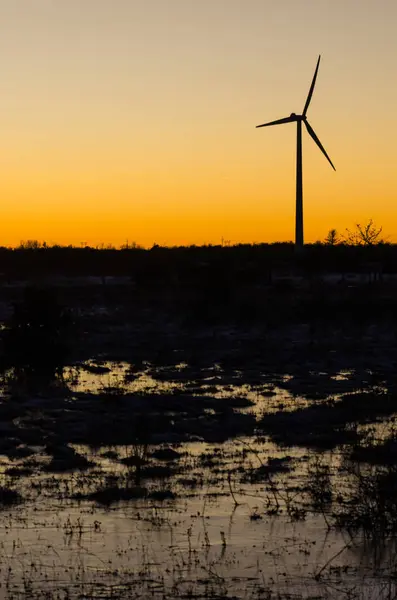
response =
{"points": [[30, 245], [364, 235]]}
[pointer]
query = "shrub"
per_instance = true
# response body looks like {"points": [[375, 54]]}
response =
{"points": [[37, 337]]}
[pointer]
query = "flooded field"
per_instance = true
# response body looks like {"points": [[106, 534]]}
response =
{"points": [[131, 480]]}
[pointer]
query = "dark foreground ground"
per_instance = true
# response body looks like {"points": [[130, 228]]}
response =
{"points": [[297, 369]]}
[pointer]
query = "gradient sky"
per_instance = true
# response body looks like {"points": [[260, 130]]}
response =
{"points": [[135, 119]]}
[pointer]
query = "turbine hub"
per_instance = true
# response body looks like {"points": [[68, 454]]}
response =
{"points": [[296, 117]]}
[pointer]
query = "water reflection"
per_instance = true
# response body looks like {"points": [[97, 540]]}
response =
{"points": [[205, 523]]}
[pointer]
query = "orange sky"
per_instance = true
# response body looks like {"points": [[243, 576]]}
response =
{"points": [[135, 119]]}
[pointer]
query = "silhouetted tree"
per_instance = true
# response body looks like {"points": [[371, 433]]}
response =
{"points": [[332, 238], [364, 235], [31, 245]]}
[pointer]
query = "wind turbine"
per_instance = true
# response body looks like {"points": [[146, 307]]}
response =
{"points": [[299, 189]]}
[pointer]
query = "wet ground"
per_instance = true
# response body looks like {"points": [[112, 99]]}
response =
{"points": [[138, 480]]}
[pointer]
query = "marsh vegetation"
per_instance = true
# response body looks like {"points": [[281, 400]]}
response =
{"points": [[199, 431]]}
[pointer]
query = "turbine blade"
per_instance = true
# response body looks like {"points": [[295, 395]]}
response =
{"points": [[278, 122], [309, 97], [319, 144]]}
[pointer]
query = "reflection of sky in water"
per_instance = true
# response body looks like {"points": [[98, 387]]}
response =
{"points": [[380, 430], [197, 538], [48, 544], [342, 375], [117, 376], [58, 546]]}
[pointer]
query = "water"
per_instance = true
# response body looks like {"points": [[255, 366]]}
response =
{"points": [[221, 534]]}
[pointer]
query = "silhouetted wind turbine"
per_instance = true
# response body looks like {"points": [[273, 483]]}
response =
{"points": [[299, 190]]}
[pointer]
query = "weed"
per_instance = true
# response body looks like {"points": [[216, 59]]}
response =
{"points": [[371, 503], [319, 487], [9, 497], [110, 495]]}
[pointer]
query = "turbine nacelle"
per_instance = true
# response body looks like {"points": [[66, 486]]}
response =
{"points": [[295, 117]]}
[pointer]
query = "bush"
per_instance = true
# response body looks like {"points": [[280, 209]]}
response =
{"points": [[37, 337]]}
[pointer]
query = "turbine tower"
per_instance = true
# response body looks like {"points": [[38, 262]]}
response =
{"points": [[299, 188]]}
